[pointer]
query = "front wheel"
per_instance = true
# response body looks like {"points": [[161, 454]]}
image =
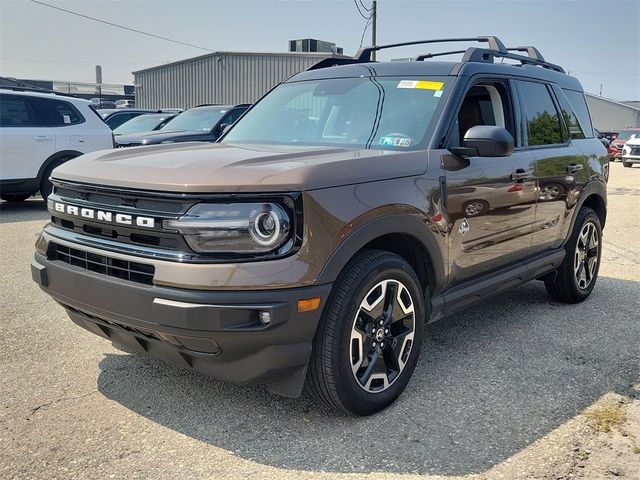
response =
{"points": [[369, 338], [577, 275], [626, 164]]}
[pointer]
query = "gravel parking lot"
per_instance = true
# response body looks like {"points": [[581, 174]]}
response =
{"points": [[498, 393]]}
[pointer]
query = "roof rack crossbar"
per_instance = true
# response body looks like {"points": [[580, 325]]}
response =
{"points": [[427, 56], [486, 55], [364, 54], [532, 52]]}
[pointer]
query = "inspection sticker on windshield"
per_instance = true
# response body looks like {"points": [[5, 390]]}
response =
{"points": [[395, 141], [421, 84]]}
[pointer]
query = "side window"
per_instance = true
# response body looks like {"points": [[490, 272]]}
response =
{"points": [[541, 116], [55, 113], [483, 104], [233, 115], [16, 111], [570, 117], [579, 105]]}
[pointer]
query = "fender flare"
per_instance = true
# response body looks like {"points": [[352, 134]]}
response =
{"points": [[56, 159], [597, 188], [376, 228]]}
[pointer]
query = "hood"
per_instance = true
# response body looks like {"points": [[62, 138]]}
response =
{"points": [[634, 141], [157, 136], [207, 167]]}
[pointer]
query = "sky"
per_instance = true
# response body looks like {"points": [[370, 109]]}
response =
{"points": [[596, 41]]}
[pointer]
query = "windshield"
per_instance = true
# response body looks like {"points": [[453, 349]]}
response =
{"points": [[141, 123], [389, 113], [200, 119], [626, 134]]}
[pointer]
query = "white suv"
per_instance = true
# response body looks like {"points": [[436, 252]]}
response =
{"points": [[38, 132], [631, 151]]}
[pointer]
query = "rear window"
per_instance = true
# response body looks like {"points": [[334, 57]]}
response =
{"points": [[55, 113], [581, 110], [543, 122]]}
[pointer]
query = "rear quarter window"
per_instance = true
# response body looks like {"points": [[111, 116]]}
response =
{"points": [[581, 110]]}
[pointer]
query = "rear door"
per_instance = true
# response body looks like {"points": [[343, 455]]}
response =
{"points": [[24, 144], [491, 201], [559, 163]]}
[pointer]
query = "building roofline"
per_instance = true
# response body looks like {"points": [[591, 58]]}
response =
{"points": [[636, 109], [222, 54]]}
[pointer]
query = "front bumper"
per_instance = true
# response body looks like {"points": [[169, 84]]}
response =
{"points": [[631, 158], [214, 332]]}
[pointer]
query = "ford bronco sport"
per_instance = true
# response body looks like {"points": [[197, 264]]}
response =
{"points": [[351, 205]]}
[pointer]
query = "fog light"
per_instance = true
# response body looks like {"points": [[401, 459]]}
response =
{"points": [[265, 318]]}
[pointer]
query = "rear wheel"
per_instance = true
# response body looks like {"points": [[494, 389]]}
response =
{"points": [[474, 208], [577, 275], [369, 338], [15, 197]]}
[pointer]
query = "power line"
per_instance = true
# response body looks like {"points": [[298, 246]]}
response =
{"points": [[364, 31], [367, 9], [355, 2], [121, 26]]}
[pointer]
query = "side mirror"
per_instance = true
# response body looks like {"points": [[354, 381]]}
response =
{"points": [[486, 141], [223, 127]]}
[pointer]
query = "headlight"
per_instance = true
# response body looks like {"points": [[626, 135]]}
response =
{"points": [[235, 228]]}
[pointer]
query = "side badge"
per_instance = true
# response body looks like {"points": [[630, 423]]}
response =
{"points": [[464, 227]]}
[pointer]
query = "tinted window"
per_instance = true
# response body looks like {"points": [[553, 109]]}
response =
{"points": [[570, 118], [114, 121], [55, 113], [579, 105], [543, 123], [16, 111]]}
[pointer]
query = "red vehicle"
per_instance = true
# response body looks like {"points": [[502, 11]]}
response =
{"points": [[615, 148]]}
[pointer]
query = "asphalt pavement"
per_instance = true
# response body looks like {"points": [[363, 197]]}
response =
{"points": [[491, 381]]}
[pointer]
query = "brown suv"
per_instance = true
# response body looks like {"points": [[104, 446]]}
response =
{"points": [[347, 208]]}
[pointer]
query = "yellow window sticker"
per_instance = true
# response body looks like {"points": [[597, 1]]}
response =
{"points": [[421, 84]]}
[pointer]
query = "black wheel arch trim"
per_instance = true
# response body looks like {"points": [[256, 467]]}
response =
{"points": [[400, 224], [594, 188], [56, 159]]}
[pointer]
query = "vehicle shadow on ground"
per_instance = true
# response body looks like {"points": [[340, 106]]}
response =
{"points": [[490, 381], [33, 209]]}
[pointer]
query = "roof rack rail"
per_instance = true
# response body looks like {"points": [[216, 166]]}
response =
{"points": [[486, 55], [473, 54], [364, 54]]}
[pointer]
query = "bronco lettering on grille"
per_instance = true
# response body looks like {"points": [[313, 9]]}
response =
{"points": [[102, 216]]}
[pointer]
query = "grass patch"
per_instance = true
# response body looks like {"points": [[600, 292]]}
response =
{"points": [[602, 418]]}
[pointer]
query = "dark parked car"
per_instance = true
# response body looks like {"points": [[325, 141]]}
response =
{"points": [[114, 117], [199, 124], [144, 123], [354, 203]]}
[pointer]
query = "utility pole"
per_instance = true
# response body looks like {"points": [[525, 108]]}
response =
{"points": [[600, 89], [374, 8]]}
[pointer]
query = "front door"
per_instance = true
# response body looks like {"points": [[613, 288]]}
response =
{"points": [[490, 201]]}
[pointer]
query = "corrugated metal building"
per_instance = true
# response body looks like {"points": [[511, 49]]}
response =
{"points": [[611, 116], [220, 77]]}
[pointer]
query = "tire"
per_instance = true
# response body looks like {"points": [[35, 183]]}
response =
{"points": [[474, 208], [346, 341], [15, 197], [626, 164], [550, 192], [46, 187], [582, 260]]}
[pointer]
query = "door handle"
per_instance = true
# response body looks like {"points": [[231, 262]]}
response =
{"points": [[43, 137], [521, 174], [573, 167]]}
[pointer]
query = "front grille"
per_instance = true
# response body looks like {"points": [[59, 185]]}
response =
{"points": [[102, 264], [635, 151], [93, 196]]}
